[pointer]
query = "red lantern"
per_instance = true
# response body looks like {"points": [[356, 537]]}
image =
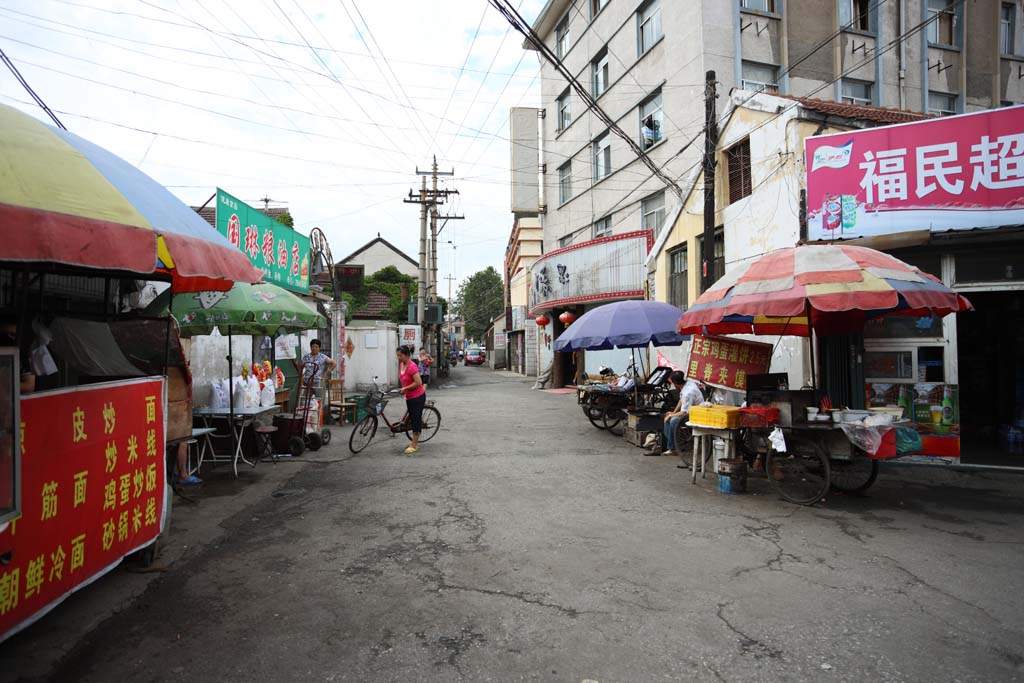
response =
{"points": [[567, 318], [542, 320]]}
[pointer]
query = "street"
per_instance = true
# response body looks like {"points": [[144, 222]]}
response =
{"points": [[523, 544]]}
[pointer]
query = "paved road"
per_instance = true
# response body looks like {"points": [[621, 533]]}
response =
{"points": [[522, 544]]}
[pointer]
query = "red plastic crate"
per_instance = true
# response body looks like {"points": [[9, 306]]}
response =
{"points": [[759, 416]]}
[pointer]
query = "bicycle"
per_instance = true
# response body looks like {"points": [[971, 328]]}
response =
{"points": [[377, 400]]}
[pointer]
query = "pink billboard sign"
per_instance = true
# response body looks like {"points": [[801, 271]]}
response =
{"points": [[951, 173]]}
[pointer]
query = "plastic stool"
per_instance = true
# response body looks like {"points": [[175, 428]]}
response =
{"points": [[265, 442]]}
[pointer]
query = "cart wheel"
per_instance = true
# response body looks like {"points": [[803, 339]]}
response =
{"points": [[325, 436], [594, 413], [313, 441], [296, 445], [614, 419], [683, 439], [854, 476], [800, 475]]}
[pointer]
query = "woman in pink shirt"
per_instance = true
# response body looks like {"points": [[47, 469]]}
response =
{"points": [[415, 394]]}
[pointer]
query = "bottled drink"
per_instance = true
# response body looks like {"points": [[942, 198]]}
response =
{"points": [[947, 405]]}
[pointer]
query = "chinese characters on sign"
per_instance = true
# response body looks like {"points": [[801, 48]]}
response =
{"points": [[91, 494], [954, 173], [277, 250], [727, 363]]}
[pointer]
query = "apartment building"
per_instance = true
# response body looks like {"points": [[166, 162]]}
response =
{"points": [[644, 63]]}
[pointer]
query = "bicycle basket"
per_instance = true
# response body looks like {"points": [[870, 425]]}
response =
{"points": [[379, 406]]}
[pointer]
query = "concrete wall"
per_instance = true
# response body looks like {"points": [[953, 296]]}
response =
{"points": [[380, 256], [365, 363]]}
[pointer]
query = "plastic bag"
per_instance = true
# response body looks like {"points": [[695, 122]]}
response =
{"points": [[238, 399], [868, 438], [267, 397], [39, 359], [908, 441], [777, 440], [218, 396], [252, 393]]}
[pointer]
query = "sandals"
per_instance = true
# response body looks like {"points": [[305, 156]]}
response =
{"points": [[410, 450], [191, 480]]}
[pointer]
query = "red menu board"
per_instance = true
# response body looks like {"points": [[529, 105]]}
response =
{"points": [[726, 363], [93, 490]]}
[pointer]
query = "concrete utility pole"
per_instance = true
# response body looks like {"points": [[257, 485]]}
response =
{"points": [[421, 290], [710, 146], [428, 200]]}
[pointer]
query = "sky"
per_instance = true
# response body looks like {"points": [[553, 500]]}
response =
{"points": [[326, 107]]}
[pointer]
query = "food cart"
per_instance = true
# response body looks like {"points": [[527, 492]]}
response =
{"points": [[82, 464], [624, 324], [809, 291]]}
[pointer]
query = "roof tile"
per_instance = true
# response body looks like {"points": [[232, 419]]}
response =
{"points": [[862, 112]]}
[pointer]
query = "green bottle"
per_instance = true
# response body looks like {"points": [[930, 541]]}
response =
{"points": [[904, 402], [947, 405]]}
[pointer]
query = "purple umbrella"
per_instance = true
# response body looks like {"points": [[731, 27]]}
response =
{"points": [[623, 324]]}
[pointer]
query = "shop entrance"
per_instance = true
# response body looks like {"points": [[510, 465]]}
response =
{"points": [[991, 373]]}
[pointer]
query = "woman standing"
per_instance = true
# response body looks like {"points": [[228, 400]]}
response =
{"points": [[415, 394]]}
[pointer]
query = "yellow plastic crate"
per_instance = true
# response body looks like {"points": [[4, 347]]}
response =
{"points": [[720, 417]]}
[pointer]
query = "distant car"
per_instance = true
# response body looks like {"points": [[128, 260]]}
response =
{"points": [[475, 356]]}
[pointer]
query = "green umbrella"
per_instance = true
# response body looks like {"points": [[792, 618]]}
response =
{"points": [[262, 309]]}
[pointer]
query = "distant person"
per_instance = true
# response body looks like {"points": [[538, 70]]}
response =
{"points": [[690, 394], [424, 363], [324, 364], [415, 394]]}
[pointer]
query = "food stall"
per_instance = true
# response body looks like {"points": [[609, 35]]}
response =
{"points": [[85, 397], [815, 291]]}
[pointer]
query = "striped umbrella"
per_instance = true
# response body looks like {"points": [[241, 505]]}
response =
{"points": [[833, 288], [65, 200]]}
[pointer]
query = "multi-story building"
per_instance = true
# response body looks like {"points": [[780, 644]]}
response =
{"points": [[525, 246], [644, 62]]}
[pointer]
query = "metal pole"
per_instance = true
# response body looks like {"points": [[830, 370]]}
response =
{"points": [[810, 342], [231, 399]]}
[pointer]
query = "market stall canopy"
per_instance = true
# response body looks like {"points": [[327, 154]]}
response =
{"points": [[839, 286], [623, 324], [65, 200], [245, 309]]}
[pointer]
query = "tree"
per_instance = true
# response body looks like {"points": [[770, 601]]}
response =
{"points": [[398, 287], [481, 297], [286, 218]]}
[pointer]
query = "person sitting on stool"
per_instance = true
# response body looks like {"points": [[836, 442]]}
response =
{"points": [[690, 394]]}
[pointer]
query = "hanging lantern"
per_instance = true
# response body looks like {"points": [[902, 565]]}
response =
{"points": [[542, 320], [567, 318]]}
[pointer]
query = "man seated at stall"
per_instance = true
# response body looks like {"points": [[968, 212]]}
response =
{"points": [[690, 394]]}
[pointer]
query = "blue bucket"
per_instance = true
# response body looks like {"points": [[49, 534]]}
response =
{"points": [[732, 476]]}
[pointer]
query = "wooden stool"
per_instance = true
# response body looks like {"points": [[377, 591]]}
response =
{"points": [[346, 408], [265, 442]]}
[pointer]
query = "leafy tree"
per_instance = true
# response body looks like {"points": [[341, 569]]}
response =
{"points": [[388, 281], [285, 217], [481, 297]]}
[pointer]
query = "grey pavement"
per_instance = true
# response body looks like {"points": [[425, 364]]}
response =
{"points": [[523, 544]]}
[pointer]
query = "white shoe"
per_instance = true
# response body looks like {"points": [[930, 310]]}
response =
{"points": [[668, 452]]}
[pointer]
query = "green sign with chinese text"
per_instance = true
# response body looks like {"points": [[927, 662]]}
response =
{"points": [[280, 252]]}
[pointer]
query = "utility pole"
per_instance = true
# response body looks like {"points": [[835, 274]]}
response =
{"points": [[710, 146], [428, 200]]}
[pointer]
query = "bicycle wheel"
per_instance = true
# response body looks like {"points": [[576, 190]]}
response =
{"points": [[431, 423], [362, 433], [854, 476], [595, 413], [801, 475], [614, 419], [683, 438]]}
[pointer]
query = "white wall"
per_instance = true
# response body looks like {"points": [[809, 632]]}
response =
{"points": [[366, 363], [379, 256]]}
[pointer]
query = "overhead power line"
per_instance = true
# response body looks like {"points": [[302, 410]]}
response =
{"points": [[523, 27], [28, 88]]}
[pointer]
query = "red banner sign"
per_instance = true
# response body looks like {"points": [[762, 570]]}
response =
{"points": [[726, 363], [949, 173], [93, 489]]}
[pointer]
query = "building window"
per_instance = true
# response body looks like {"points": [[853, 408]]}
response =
{"points": [[648, 26], [564, 112], [599, 73], [603, 227], [652, 212], [941, 30], [760, 77], [941, 104], [737, 161], [718, 261], [596, 6], [1007, 24], [677, 275], [565, 241], [758, 5], [602, 152], [855, 15], [562, 38], [856, 92], [652, 121], [565, 182]]}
